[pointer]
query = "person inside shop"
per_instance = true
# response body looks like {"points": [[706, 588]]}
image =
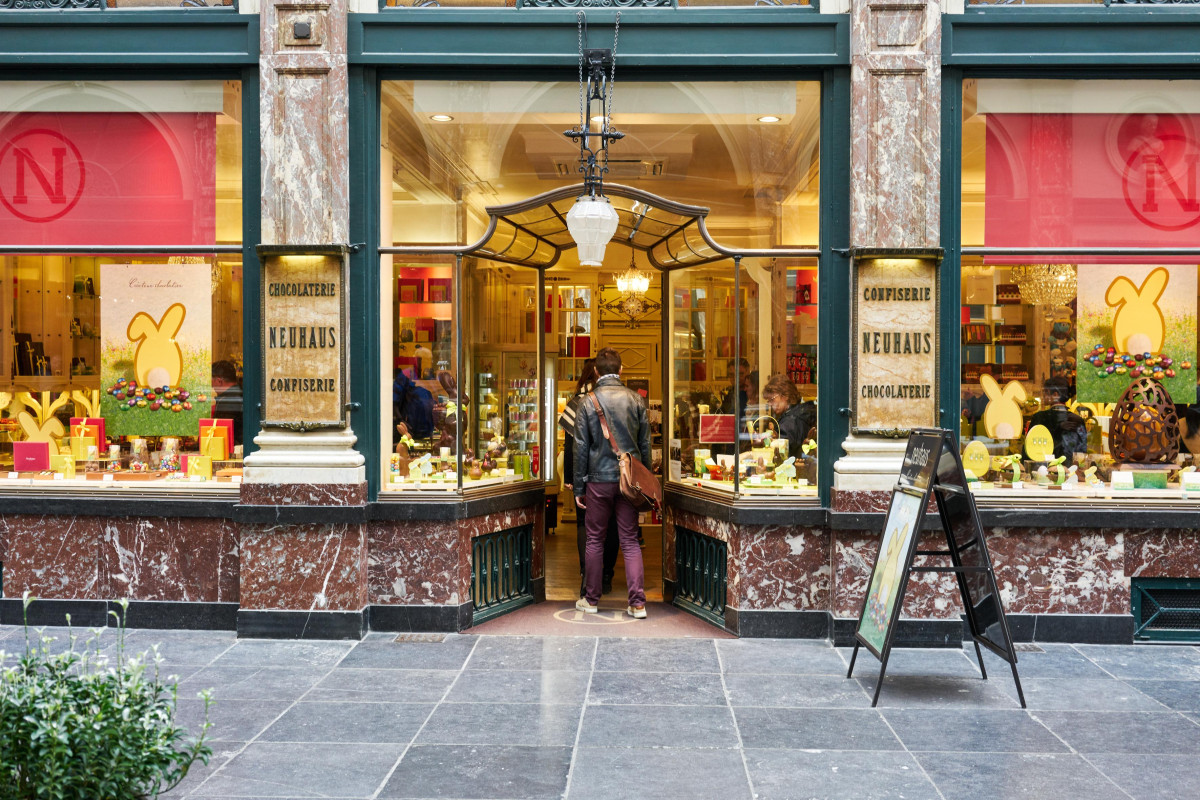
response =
{"points": [[566, 421], [1189, 428], [1067, 429], [227, 396], [797, 419], [597, 478], [412, 406], [743, 385]]}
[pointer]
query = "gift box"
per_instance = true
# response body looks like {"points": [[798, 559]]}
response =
{"points": [[63, 464], [213, 443], [197, 466], [31, 456], [94, 426], [81, 445], [224, 431]]}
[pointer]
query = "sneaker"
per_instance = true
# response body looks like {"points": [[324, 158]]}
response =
{"points": [[637, 612], [583, 605]]}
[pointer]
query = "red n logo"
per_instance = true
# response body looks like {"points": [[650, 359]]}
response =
{"points": [[1154, 166], [27, 164]]}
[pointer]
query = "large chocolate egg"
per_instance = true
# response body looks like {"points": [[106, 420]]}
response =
{"points": [[1144, 428]]}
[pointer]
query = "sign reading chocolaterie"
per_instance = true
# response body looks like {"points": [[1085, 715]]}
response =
{"points": [[303, 343], [895, 344]]}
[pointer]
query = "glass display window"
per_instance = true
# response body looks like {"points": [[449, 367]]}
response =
{"points": [[480, 171], [121, 365], [743, 378], [1079, 289]]}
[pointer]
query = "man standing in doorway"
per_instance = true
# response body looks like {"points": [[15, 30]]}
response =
{"points": [[598, 475]]}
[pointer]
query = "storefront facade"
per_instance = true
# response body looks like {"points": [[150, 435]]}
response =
{"points": [[803, 190]]}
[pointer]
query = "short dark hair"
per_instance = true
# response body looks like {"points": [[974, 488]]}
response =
{"points": [[608, 361], [225, 370], [1057, 387], [741, 362]]}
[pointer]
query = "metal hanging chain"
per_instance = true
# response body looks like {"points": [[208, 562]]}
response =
{"points": [[608, 102], [580, 21]]}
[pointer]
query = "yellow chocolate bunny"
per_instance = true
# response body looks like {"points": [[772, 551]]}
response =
{"points": [[158, 361], [42, 425], [1002, 417], [1138, 312]]}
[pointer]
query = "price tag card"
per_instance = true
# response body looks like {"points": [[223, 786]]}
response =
{"points": [[1122, 480], [12, 476]]}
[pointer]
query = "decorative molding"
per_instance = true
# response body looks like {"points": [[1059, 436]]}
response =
{"points": [[44, 5], [597, 4]]}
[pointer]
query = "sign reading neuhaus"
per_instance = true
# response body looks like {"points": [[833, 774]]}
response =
{"points": [[304, 374], [895, 344]]}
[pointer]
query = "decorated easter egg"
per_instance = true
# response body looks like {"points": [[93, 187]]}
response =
{"points": [[976, 458], [1039, 444], [1144, 428]]}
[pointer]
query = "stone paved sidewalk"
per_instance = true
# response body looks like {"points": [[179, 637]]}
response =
{"points": [[580, 717]]}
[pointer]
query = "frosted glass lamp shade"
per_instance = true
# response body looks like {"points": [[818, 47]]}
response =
{"points": [[592, 222]]}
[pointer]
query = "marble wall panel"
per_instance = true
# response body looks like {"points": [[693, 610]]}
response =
{"points": [[304, 567], [930, 595], [860, 502], [156, 558], [895, 150], [54, 557], [417, 563], [1162, 554], [1043, 571], [781, 568], [305, 118], [304, 494]]}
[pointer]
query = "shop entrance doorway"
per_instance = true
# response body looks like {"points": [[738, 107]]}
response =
{"points": [[630, 323]]}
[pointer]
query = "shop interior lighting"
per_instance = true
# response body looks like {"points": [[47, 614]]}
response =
{"points": [[1045, 284], [633, 281], [592, 221], [441, 118], [769, 118]]}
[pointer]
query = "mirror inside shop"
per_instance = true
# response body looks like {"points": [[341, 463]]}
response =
{"points": [[121, 368], [722, 351]]}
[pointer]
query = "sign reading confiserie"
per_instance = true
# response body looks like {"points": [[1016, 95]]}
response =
{"points": [[895, 344], [304, 376]]}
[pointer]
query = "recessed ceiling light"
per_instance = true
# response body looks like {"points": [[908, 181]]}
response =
{"points": [[768, 118], [598, 119], [441, 118]]}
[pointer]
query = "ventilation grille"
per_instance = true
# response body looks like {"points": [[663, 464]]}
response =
{"points": [[501, 572], [700, 564], [1166, 609]]}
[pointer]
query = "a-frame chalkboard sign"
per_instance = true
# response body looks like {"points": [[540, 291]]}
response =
{"points": [[932, 466]]}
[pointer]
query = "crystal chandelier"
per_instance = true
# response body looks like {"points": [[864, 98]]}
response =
{"points": [[592, 221], [633, 281], [1045, 284]]}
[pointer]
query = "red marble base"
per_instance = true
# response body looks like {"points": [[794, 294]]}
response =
{"points": [[429, 562], [304, 567], [304, 494], [150, 558]]}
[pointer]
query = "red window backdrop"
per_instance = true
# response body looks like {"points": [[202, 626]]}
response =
{"points": [[1092, 180], [108, 178]]}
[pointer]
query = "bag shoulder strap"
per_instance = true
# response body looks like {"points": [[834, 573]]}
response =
{"points": [[604, 425]]}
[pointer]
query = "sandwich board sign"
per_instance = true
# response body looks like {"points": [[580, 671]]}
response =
{"points": [[932, 466]]}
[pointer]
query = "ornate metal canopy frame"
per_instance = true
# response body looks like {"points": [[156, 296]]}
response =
{"points": [[533, 232]]}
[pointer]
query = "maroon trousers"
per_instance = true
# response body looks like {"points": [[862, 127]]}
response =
{"points": [[603, 500]]}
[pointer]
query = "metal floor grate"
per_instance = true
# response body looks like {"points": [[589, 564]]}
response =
{"points": [[430, 638]]}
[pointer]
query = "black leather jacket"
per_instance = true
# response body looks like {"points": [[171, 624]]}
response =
{"points": [[794, 425], [626, 417]]}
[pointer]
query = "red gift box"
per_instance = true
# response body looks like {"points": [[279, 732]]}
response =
{"points": [[227, 424], [96, 422], [31, 456]]}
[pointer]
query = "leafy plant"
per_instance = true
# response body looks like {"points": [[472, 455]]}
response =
{"points": [[82, 725]]}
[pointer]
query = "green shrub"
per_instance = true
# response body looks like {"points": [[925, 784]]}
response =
{"points": [[81, 726]]}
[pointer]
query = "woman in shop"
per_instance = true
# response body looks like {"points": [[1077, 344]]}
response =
{"points": [[1067, 428], [796, 419], [566, 420]]}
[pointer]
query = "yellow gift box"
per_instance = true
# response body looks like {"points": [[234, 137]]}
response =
{"points": [[213, 443], [199, 467], [64, 464], [80, 445]]}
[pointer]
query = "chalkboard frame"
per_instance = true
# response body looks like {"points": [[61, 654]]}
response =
{"points": [[933, 467]]}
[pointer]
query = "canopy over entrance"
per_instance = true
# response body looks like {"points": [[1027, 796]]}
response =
{"points": [[534, 233]]}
